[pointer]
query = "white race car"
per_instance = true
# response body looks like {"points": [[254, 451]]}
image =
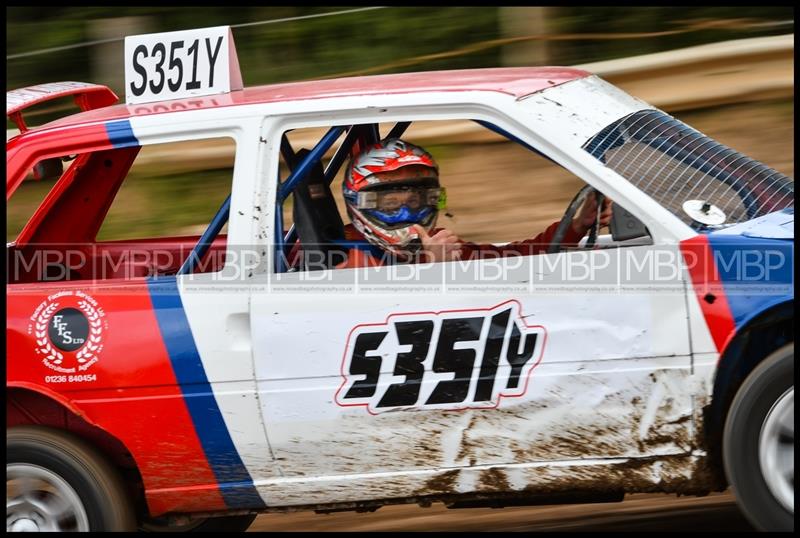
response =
{"points": [[192, 382]]}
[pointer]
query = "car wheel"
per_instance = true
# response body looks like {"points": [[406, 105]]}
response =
{"points": [[56, 482], [758, 443], [211, 524]]}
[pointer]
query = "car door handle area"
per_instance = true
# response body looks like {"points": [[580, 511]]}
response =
{"points": [[237, 328]]}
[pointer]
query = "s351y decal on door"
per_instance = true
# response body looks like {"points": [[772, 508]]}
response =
{"points": [[453, 359]]}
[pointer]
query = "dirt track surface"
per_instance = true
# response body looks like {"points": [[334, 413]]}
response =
{"points": [[717, 512]]}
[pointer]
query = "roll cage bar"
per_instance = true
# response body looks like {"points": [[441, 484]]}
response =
{"points": [[363, 134]]}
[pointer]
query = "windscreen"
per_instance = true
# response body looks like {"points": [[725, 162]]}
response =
{"points": [[675, 164]]}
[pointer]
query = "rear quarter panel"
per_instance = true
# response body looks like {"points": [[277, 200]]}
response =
{"points": [[127, 387]]}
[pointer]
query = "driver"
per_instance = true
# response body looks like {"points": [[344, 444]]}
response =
{"points": [[392, 193]]}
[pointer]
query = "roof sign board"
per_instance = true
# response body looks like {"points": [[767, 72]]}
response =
{"points": [[175, 65]]}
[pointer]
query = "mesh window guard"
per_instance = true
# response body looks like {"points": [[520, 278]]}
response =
{"points": [[673, 163]]}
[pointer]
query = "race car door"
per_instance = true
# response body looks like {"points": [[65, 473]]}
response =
{"points": [[398, 370]]}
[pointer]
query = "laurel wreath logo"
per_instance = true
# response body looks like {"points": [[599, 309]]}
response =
{"points": [[88, 353], [40, 333], [92, 346]]}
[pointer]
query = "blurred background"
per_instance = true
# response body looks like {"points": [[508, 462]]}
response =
{"points": [[387, 40], [727, 71]]}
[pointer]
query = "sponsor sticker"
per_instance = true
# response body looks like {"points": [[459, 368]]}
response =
{"points": [[68, 328]]}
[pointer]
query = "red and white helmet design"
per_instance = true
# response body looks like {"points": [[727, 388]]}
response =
{"points": [[387, 156]]}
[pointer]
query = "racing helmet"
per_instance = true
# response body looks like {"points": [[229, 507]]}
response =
{"points": [[389, 187]]}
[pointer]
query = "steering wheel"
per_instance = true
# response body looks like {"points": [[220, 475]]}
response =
{"points": [[566, 220]]}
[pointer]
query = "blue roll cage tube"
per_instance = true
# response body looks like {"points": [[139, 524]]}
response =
{"points": [[295, 177], [368, 132], [207, 238], [286, 188]]}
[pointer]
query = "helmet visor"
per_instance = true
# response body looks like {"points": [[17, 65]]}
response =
{"points": [[394, 199]]}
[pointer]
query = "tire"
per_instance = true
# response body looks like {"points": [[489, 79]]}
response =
{"points": [[764, 488], [212, 524], [61, 472]]}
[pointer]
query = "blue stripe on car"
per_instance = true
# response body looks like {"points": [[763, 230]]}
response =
{"points": [[235, 482], [121, 134]]}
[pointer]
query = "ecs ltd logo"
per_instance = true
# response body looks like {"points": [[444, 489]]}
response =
{"points": [[68, 328]]}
